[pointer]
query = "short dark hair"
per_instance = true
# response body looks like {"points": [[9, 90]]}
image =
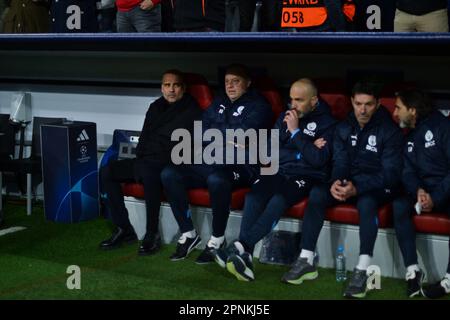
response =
{"points": [[369, 88], [177, 73], [416, 99], [238, 70]]}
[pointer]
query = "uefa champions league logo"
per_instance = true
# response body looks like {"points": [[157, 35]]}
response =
{"points": [[83, 151]]}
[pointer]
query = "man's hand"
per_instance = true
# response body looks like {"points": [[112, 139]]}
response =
{"points": [[425, 200], [146, 5], [342, 191], [320, 143], [291, 119]]}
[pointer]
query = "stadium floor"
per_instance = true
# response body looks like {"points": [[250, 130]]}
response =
{"points": [[34, 262]]}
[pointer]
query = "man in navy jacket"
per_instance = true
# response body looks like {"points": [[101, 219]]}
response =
{"points": [[305, 134], [426, 178], [240, 107], [366, 162]]}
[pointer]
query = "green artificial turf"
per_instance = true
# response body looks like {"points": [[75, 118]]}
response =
{"points": [[33, 265]]}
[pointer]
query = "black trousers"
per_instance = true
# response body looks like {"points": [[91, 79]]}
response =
{"points": [[147, 172]]}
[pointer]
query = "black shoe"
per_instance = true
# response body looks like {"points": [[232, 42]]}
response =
{"points": [[221, 255], [357, 287], [241, 266], [301, 270], [414, 283], [209, 253], [437, 290], [183, 249], [150, 244], [119, 237]]}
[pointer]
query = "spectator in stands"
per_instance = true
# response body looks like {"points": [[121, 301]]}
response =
{"points": [[426, 178], [199, 15], [138, 15], [241, 107], [421, 16], [107, 13], [175, 109], [27, 16], [305, 142], [366, 162]]}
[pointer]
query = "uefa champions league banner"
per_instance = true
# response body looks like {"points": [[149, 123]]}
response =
{"points": [[69, 168]]}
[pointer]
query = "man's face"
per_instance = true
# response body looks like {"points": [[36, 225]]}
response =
{"points": [[235, 86], [405, 116], [302, 100], [364, 106], [172, 88]]}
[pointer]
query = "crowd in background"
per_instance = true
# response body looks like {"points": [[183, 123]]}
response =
{"points": [[61, 16]]}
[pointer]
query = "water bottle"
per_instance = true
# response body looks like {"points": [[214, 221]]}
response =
{"points": [[341, 272]]}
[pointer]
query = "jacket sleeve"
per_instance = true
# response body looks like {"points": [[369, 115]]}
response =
{"points": [[313, 155], [441, 194], [391, 166], [410, 179], [144, 131], [341, 159]]}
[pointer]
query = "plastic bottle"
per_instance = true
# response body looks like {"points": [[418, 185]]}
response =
{"points": [[341, 271]]}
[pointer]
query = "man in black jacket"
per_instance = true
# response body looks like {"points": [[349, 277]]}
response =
{"points": [[366, 162], [199, 15], [421, 16], [305, 140], [175, 109], [426, 178], [239, 108]]}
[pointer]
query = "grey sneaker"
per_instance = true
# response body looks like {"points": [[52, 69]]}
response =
{"points": [[241, 266], [300, 270], [357, 287]]}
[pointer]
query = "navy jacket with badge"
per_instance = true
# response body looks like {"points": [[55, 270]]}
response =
{"points": [[370, 157], [427, 158], [250, 111], [298, 154]]}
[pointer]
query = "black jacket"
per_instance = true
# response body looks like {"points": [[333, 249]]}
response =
{"points": [[199, 14], [370, 157], [161, 120], [427, 158], [421, 7], [297, 153]]}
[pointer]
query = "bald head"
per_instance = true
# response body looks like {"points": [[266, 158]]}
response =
{"points": [[303, 96]]}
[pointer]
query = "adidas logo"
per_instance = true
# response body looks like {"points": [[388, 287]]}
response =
{"points": [[83, 136]]}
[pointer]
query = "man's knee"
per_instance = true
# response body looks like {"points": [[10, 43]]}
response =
{"points": [[170, 175], [218, 181], [402, 208], [319, 196], [367, 205]]}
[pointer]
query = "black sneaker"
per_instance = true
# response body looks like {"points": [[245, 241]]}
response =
{"points": [[222, 254], [414, 283], [183, 249], [208, 254], [301, 270], [241, 266], [150, 244], [119, 237], [357, 287], [437, 290]]}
